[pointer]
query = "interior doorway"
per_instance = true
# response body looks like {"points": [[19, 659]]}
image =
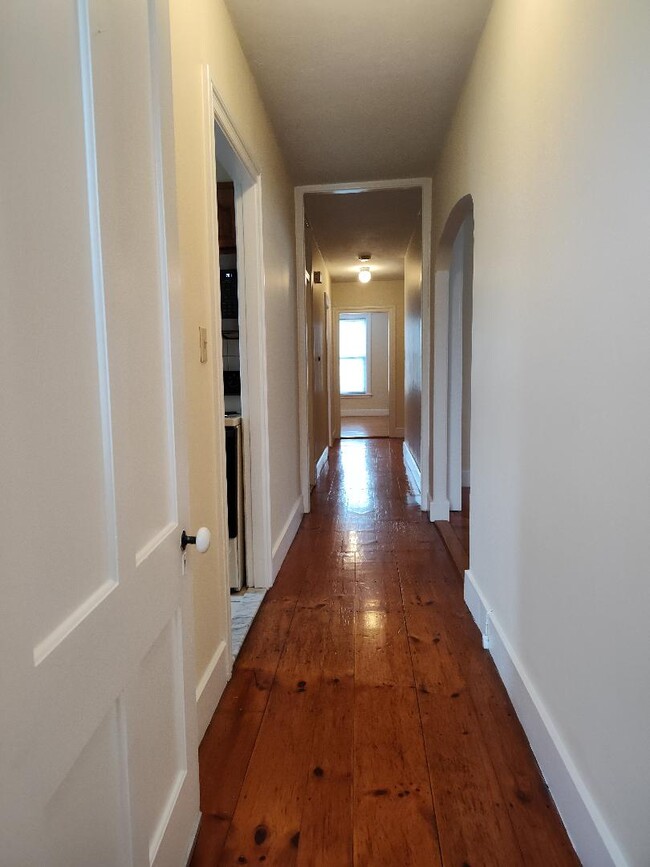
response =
{"points": [[361, 236], [460, 365], [456, 531], [239, 364], [245, 599], [452, 383], [364, 393]]}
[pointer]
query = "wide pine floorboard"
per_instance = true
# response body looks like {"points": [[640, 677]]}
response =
{"points": [[364, 724]]}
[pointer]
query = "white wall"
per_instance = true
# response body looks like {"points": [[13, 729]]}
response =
{"points": [[202, 33], [377, 399], [551, 138]]}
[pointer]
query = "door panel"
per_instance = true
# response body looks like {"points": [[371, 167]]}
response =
{"points": [[87, 811], [158, 740], [98, 758], [133, 257]]}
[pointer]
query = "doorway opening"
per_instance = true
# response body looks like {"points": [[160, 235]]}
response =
{"points": [[240, 376], [360, 248], [244, 599], [452, 380]]}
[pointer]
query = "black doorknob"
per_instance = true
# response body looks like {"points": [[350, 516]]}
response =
{"points": [[201, 540]]}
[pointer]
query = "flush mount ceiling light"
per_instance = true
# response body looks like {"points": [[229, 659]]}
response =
{"points": [[364, 272]]}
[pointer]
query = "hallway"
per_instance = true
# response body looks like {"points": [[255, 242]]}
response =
{"points": [[364, 724]]}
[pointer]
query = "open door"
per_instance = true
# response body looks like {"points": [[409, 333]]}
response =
{"points": [[99, 754]]}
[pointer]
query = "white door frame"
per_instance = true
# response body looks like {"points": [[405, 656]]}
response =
{"points": [[455, 397], [329, 343], [255, 422], [425, 185], [309, 322], [440, 505], [392, 362]]}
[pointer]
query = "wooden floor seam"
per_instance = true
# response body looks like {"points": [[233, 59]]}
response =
{"points": [[433, 800]]}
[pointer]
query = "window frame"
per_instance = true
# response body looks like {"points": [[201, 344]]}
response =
{"points": [[367, 317]]}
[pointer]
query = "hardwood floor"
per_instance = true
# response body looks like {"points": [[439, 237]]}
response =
{"points": [[355, 427], [364, 724]]}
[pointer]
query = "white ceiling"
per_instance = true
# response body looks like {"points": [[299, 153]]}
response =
{"points": [[380, 223], [359, 89]]}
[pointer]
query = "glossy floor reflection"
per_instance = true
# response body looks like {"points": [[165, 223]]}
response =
{"points": [[364, 426], [364, 723]]}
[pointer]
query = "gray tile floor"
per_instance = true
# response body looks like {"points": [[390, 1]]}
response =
{"points": [[243, 608]]}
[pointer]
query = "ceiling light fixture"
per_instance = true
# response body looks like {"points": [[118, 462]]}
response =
{"points": [[364, 275]]}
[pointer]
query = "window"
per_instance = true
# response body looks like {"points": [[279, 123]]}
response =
{"points": [[354, 353]]}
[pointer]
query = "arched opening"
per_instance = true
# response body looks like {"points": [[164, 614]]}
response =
{"points": [[452, 358]]}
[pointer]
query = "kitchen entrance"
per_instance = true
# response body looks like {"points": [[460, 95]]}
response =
{"points": [[240, 379]]}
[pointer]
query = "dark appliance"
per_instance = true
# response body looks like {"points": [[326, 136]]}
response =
{"points": [[231, 382], [229, 300], [232, 479]]}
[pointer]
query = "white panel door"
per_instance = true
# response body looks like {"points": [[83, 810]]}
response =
{"points": [[98, 733]]}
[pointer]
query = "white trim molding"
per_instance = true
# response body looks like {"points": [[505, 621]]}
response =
{"points": [[439, 509], [477, 606], [427, 373], [237, 159], [210, 687], [412, 467], [592, 839], [440, 372], [322, 461], [363, 413], [287, 535]]}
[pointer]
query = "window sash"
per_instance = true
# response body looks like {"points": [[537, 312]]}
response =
{"points": [[354, 366]]}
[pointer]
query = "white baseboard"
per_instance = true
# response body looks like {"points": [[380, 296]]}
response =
{"points": [[212, 684], [465, 478], [412, 467], [477, 606], [583, 820], [320, 464], [439, 510], [362, 412], [287, 535]]}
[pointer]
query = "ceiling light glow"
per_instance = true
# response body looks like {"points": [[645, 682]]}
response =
{"points": [[364, 275]]}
